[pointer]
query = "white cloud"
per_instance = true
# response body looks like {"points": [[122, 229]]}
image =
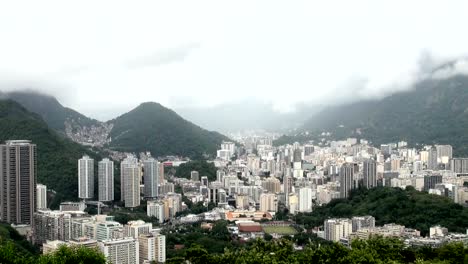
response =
{"points": [[105, 57]]}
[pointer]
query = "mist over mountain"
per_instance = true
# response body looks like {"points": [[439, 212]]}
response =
{"points": [[433, 111], [248, 114], [50, 109]]}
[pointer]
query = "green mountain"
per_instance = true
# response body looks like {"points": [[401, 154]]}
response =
{"points": [[57, 157], [434, 111], [152, 127], [55, 114]]}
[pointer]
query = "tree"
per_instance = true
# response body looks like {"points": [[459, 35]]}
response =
{"points": [[72, 255]]}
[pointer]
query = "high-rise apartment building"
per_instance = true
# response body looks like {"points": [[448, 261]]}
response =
{"points": [[305, 199], [432, 163], [151, 177], [131, 175], [346, 179], [85, 178], [272, 185], [18, 169], [129, 161], [106, 180], [370, 173], [41, 193], [268, 202]]}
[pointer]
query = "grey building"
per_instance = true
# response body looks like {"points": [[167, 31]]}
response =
{"points": [[370, 173], [18, 169], [151, 177]]}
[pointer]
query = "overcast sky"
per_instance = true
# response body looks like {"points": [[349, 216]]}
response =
{"points": [[105, 57]]}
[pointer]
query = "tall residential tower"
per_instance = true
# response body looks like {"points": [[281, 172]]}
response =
{"points": [[18, 169]]}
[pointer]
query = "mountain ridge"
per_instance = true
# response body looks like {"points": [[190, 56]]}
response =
{"points": [[435, 111], [91, 132], [183, 137]]}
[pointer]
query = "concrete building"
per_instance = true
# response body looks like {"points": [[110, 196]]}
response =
{"points": [[459, 165], [432, 163], [106, 230], [360, 222], [151, 177], [156, 209], [204, 181], [430, 181], [370, 173], [152, 247], [18, 169], [136, 228], [72, 206], [220, 175], [51, 225], [305, 199], [272, 185], [85, 178], [121, 251], [106, 180], [132, 185], [41, 193], [334, 229], [129, 161], [346, 179], [444, 153], [242, 201], [268, 202], [194, 176]]}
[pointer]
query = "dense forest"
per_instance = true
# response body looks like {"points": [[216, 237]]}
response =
{"points": [[408, 207]]}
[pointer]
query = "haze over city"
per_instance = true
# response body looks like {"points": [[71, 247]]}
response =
{"points": [[105, 58]]}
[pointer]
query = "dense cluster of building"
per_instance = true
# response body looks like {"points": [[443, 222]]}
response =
{"points": [[23, 204], [252, 183]]}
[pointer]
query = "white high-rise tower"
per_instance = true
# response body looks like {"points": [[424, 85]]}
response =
{"points": [[41, 192], [106, 180], [85, 177]]}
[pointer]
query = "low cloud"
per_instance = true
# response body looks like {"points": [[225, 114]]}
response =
{"points": [[163, 57]]}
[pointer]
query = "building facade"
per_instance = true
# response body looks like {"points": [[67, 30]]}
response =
{"points": [[18, 170]]}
